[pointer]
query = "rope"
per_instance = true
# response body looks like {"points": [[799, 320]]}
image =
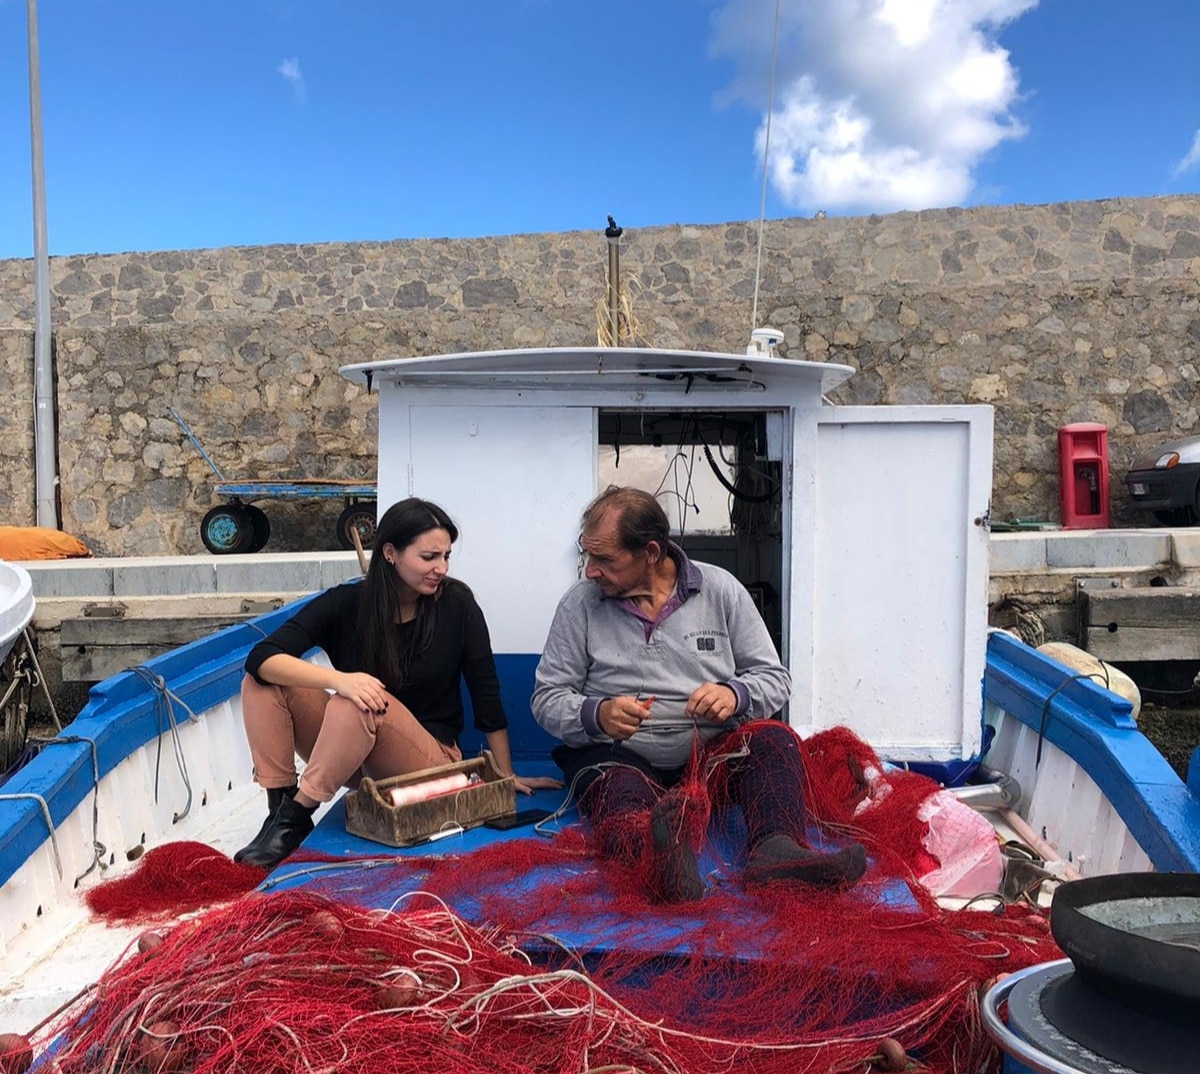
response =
{"points": [[41, 678], [569, 798], [98, 848], [1045, 719], [34, 678], [165, 702], [45, 816]]}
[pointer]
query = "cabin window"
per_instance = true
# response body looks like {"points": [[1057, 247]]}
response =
{"points": [[719, 478], [694, 498]]}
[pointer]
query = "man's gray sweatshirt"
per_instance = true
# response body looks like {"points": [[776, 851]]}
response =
{"points": [[596, 649]]}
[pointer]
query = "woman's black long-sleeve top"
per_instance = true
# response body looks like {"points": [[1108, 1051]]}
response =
{"points": [[460, 647]]}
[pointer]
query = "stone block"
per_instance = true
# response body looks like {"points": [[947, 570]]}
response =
{"points": [[287, 572], [1013, 553], [166, 576], [1185, 548], [71, 578], [1108, 549], [339, 567]]}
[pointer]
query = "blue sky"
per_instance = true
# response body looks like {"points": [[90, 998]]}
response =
{"points": [[170, 124]]}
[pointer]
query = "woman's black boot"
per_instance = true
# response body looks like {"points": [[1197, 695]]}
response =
{"points": [[289, 825], [275, 796]]}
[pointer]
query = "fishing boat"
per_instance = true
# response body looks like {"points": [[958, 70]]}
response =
{"points": [[16, 611], [16, 605], [861, 532]]}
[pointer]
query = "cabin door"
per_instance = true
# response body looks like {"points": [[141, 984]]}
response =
{"points": [[515, 480], [898, 578]]}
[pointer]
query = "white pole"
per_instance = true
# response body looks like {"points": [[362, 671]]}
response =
{"points": [[44, 436]]}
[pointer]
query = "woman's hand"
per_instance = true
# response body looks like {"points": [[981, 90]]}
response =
{"points": [[366, 691], [529, 784]]}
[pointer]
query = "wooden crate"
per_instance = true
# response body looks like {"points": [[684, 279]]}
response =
{"points": [[371, 814]]}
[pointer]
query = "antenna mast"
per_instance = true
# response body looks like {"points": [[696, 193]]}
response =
{"points": [[613, 234], [762, 204]]}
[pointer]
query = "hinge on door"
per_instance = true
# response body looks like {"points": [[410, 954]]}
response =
{"points": [[985, 520]]}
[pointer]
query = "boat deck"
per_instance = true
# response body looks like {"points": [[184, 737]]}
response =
{"points": [[366, 880], [83, 947]]}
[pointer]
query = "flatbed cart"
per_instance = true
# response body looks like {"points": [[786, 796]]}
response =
{"points": [[241, 526]]}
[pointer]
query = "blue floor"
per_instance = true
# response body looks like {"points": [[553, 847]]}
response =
{"points": [[375, 883]]}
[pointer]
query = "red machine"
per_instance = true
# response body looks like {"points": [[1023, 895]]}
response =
{"points": [[1083, 476]]}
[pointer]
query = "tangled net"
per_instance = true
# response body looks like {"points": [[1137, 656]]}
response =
{"points": [[296, 983], [570, 966], [170, 880]]}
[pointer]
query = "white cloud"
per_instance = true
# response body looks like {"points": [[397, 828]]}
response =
{"points": [[290, 69], [1191, 160], [880, 105]]}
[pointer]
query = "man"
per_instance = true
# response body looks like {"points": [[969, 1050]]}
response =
{"points": [[646, 653]]}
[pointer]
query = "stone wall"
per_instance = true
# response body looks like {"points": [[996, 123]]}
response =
{"points": [[17, 499], [1059, 313]]}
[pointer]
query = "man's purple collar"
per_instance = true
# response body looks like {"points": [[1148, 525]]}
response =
{"points": [[689, 576]]}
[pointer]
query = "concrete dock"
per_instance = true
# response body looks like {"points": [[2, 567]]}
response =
{"points": [[82, 600]]}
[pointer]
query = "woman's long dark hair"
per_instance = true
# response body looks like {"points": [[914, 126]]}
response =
{"points": [[379, 608]]}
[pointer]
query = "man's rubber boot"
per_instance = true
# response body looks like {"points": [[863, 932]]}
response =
{"points": [[676, 876], [780, 857]]}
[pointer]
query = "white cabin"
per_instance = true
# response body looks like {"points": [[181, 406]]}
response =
{"points": [[861, 530]]}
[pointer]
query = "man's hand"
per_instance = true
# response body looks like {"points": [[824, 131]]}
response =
{"points": [[711, 701], [620, 717]]}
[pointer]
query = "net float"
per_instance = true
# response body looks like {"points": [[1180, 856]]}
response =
{"points": [[159, 1048], [890, 1056], [16, 1053], [402, 992], [326, 924], [148, 941]]}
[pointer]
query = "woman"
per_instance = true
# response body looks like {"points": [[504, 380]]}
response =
{"points": [[399, 643]]}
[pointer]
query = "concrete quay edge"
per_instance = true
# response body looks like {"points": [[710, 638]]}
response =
{"points": [[1120, 551], [1022, 553], [190, 576]]}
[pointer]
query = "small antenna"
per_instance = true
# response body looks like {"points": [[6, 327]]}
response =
{"points": [[762, 204], [613, 234]]}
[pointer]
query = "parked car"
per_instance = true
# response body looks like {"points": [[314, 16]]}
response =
{"points": [[1167, 483]]}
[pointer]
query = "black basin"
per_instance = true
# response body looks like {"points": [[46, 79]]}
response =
{"points": [[1135, 937]]}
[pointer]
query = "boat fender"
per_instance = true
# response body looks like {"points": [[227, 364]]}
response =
{"points": [[1101, 673]]}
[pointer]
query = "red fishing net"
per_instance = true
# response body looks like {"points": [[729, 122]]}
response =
{"points": [[171, 880], [569, 964], [293, 983]]}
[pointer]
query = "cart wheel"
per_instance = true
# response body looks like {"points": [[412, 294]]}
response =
{"points": [[358, 516], [262, 527], [227, 529]]}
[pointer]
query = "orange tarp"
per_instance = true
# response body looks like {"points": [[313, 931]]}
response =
{"points": [[39, 542]]}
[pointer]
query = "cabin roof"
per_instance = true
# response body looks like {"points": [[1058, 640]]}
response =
{"points": [[599, 367]]}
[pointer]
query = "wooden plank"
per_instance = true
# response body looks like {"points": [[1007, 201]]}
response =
{"points": [[94, 649], [1141, 624]]}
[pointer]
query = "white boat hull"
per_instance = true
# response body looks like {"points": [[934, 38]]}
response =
{"points": [[16, 605]]}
